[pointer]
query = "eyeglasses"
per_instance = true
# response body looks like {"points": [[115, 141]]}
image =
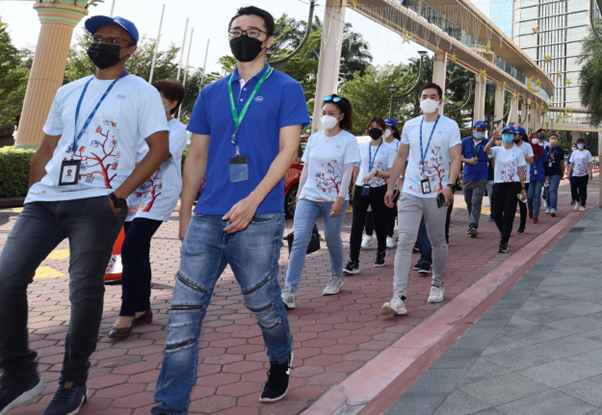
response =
{"points": [[111, 40], [329, 98], [252, 33]]}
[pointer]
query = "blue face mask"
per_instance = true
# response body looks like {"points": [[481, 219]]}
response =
{"points": [[507, 138], [478, 135], [542, 137], [580, 145]]}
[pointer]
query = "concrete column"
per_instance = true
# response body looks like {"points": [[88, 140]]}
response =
{"points": [[479, 99], [330, 56], [534, 113], [58, 21], [499, 101], [440, 73], [513, 116]]}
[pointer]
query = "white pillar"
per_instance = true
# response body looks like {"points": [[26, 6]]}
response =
{"points": [[479, 98], [499, 101], [513, 116], [330, 56], [534, 113], [440, 73]]}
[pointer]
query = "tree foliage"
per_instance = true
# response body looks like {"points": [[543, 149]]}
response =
{"points": [[590, 90], [14, 74]]}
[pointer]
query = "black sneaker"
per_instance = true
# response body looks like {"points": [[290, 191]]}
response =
{"points": [[490, 218], [416, 249], [424, 268], [468, 231], [68, 399], [19, 393], [277, 385], [473, 232], [520, 231], [503, 248], [380, 259], [353, 267], [417, 266]]}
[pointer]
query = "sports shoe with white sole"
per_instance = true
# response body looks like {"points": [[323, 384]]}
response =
{"points": [[352, 267], [436, 295], [548, 211], [396, 307], [68, 399], [334, 285], [19, 393], [380, 259], [289, 298], [276, 387], [367, 241], [390, 242], [553, 213], [581, 208], [577, 205]]}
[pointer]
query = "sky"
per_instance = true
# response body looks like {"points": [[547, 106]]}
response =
{"points": [[210, 19]]}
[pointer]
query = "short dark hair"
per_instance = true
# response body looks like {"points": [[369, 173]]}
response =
{"points": [[172, 89], [553, 135], [345, 107], [541, 130], [268, 19], [379, 121], [581, 140], [433, 86]]}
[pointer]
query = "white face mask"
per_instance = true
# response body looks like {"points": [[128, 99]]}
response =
{"points": [[535, 140], [329, 122], [428, 106], [387, 134]]}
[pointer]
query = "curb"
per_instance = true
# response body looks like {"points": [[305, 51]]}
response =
{"points": [[377, 385]]}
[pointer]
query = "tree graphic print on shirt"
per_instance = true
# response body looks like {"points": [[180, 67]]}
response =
{"points": [[434, 170], [581, 167], [102, 158], [147, 193], [378, 181], [508, 172], [331, 179]]}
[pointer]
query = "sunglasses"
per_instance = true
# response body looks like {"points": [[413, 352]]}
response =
{"points": [[329, 98]]}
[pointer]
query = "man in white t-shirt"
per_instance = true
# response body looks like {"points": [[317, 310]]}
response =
{"points": [[79, 179], [431, 144]]}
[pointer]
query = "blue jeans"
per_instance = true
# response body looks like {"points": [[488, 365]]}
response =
{"points": [[253, 257], [552, 191], [306, 214], [534, 197], [424, 244]]}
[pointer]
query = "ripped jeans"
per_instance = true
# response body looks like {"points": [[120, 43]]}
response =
{"points": [[253, 257]]}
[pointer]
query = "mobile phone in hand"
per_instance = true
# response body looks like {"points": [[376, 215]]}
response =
{"points": [[440, 200]]}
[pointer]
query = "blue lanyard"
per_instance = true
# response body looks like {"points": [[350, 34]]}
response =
{"points": [[76, 139], [553, 151], [370, 159], [424, 154]]}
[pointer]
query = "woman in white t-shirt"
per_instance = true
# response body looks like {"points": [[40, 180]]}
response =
{"points": [[329, 159], [581, 168], [522, 141], [509, 182], [148, 207]]}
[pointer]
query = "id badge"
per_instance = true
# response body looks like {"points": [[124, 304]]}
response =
{"points": [[366, 191], [69, 172], [426, 186], [239, 169], [535, 172]]}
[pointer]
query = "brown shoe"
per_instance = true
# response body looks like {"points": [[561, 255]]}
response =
{"points": [[145, 318], [119, 333]]}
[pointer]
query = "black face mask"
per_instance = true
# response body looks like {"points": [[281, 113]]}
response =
{"points": [[245, 49], [104, 56], [516, 140], [375, 133]]}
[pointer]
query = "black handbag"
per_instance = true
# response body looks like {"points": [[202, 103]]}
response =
{"points": [[314, 243]]}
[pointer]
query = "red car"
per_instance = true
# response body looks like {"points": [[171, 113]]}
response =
{"points": [[291, 181]]}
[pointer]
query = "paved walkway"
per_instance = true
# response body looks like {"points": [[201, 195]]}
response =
{"points": [[538, 350], [333, 336]]}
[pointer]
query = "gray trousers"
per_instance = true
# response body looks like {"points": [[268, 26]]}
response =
{"points": [[474, 190], [411, 210], [489, 193]]}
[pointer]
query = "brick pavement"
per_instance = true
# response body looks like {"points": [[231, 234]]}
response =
{"points": [[333, 336]]}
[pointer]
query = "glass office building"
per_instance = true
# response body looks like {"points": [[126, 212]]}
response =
{"points": [[500, 13]]}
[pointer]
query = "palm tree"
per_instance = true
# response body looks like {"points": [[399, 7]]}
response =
{"points": [[590, 90]]}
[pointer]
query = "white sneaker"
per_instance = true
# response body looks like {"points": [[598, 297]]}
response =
{"points": [[577, 205], [367, 241], [390, 242], [396, 306], [545, 203], [581, 209], [333, 286], [289, 298], [548, 211], [436, 295], [553, 212]]}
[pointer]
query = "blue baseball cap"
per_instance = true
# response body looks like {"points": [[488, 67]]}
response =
{"points": [[519, 130], [479, 124], [93, 23], [391, 121], [509, 128]]}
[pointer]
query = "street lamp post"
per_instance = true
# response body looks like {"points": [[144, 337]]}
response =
{"points": [[403, 96]]}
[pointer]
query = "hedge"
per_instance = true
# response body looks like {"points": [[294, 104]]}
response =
{"points": [[14, 171]]}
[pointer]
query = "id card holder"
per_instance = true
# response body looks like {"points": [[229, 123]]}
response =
{"points": [[239, 169], [365, 190], [69, 174], [535, 172], [426, 186]]}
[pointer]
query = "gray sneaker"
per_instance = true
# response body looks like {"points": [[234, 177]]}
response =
{"points": [[289, 298], [333, 286]]}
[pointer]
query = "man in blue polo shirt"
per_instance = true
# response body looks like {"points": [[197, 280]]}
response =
{"points": [[246, 131], [474, 179]]}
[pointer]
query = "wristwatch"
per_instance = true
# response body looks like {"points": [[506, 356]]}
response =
{"points": [[117, 202], [401, 176], [451, 186]]}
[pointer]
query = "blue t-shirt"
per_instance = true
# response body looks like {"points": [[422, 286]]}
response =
{"points": [[480, 171], [538, 163], [280, 102]]}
